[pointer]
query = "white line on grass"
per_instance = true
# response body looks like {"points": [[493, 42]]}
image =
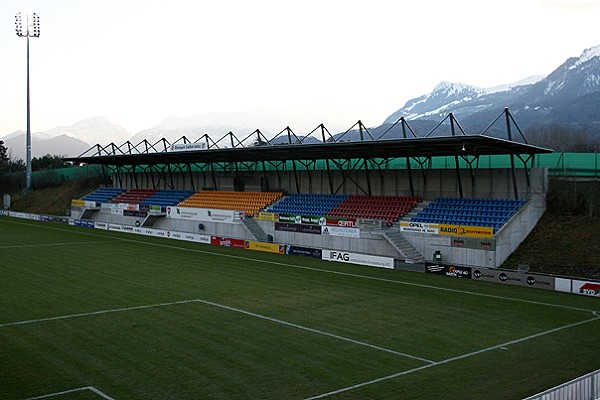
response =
{"points": [[321, 270], [301, 327], [448, 360], [90, 388], [116, 310], [278, 321]]}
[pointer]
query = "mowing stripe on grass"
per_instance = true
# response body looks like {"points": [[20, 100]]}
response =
{"points": [[90, 388], [399, 282], [57, 244], [461, 357], [304, 328]]}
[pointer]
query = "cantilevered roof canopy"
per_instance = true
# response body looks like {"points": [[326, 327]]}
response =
{"points": [[462, 145]]}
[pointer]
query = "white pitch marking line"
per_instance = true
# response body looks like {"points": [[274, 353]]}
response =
{"points": [[33, 321], [56, 244], [90, 388], [448, 360], [301, 327], [321, 270]]}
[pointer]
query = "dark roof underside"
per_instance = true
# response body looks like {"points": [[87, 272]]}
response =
{"points": [[470, 145]]}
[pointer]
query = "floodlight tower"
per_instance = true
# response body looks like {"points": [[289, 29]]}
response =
{"points": [[28, 26]]}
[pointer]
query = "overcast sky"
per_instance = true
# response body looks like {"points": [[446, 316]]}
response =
{"points": [[137, 62]]}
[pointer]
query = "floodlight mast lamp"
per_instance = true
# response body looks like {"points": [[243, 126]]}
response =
{"points": [[30, 27]]}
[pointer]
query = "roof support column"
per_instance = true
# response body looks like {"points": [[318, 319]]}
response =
{"points": [[410, 178], [368, 177], [191, 177], [512, 156], [296, 176], [135, 181], [456, 163], [119, 179]]}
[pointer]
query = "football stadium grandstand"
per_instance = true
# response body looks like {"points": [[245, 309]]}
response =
{"points": [[101, 313], [378, 196]]}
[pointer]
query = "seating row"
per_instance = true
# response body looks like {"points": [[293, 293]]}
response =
{"points": [[167, 198], [103, 195], [249, 202], [471, 212]]}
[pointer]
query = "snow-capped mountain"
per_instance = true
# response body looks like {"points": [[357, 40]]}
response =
{"points": [[568, 96], [92, 131]]}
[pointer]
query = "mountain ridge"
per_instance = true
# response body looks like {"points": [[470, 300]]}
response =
{"points": [[576, 81]]}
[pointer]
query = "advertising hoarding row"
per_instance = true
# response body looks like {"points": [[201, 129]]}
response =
{"points": [[358, 258], [266, 247], [575, 286]]}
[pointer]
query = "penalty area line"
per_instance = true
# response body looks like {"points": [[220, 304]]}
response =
{"points": [[317, 331], [81, 389], [461, 357], [116, 310], [213, 304]]}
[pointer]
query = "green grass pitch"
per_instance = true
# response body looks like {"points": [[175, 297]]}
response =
{"points": [[90, 314]]}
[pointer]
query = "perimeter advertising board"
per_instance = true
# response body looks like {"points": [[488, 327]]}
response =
{"points": [[357, 258], [227, 242], [452, 271], [267, 247], [303, 251], [514, 278], [22, 215], [586, 288]]}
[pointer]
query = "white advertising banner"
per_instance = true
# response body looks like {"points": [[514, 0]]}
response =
{"points": [[340, 231], [190, 237], [100, 225], [115, 227], [357, 258], [562, 285], [113, 208], [16, 214], [419, 227], [189, 146], [202, 214], [586, 288]]}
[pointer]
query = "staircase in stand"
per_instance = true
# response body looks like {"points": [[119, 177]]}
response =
{"points": [[255, 230], [400, 243]]}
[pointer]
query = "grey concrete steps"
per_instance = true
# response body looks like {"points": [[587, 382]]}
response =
{"points": [[255, 229], [400, 243]]}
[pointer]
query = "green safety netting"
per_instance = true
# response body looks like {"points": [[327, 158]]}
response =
{"points": [[559, 164]]}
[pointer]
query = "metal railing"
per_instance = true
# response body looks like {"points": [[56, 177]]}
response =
{"points": [[586, 387]]}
